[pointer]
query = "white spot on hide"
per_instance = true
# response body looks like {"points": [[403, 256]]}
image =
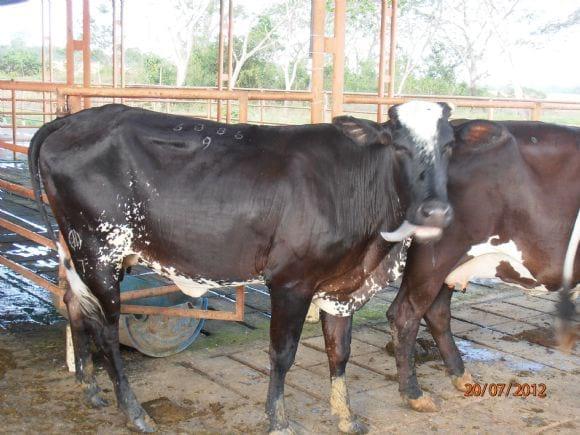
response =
{"points": [[486, 258], [421, 118]]}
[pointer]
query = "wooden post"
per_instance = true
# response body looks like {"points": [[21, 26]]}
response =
{"points": [[393, 48], [338, 58], [317, 56], [70, 350]]}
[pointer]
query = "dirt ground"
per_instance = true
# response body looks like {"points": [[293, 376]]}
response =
{"points": [[219, 384]]}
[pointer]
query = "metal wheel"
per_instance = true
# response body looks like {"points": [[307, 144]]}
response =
{"points": [[160, 336]]}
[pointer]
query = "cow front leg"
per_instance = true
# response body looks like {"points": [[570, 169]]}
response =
{"points": [[84, 370], [337, 338], [289, 307], [404, 316], [438, 318]]}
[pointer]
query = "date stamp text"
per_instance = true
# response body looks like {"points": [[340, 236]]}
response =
{"points": [[511, 389]]}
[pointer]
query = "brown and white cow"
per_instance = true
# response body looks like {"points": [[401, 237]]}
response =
{"points": [[515, 190]]}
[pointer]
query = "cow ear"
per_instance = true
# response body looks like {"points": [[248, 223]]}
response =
{"points": [[480, 135], [362, 131]]}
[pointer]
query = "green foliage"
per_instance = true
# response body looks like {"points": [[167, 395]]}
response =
{"points": [[364, 79], [148, 68], [18, 61], [259, 73], [202, 70]]}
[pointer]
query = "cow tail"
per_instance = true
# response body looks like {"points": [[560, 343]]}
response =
{"points": [[566, 306], [33, 155], [89, 304]]}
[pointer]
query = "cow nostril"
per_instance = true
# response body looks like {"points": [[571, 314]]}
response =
{"points": [[427, 211]]}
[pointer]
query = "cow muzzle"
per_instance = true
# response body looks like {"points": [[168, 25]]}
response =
{"points": [[429, 220]]}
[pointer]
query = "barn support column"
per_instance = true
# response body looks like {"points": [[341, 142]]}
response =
{"points": [[118, 44], [337, 48], [393, 48], [382, 57], [317, 54], [46, 57], [83, 45]]}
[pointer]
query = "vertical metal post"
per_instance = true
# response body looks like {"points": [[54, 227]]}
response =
{"points": [[382, 62], [220, 77], [338, 57], [43, 60], [86, 46], [393, 48], [243, 101], [70, 50], [261, 112], [230, 56], [317, 55], [114, 40], [122, 60], [13, 117], [537, 111]]}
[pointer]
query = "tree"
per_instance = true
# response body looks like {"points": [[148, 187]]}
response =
{"points": [[20, 61], [295, 15], [192, 20], [259, 35]]}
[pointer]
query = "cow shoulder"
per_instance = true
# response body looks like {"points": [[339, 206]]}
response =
{"points": [[362, 131], [480, 135]]}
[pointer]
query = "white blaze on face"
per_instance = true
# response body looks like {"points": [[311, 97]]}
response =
{"points": [[421, 119], [486, 259]]}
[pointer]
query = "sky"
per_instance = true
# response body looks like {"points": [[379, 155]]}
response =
{"points": [[551, 64]]}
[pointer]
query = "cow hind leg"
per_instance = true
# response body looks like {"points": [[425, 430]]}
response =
{"points": [[289, 308], [84, 369], [105, 332], [337, 338], [438, 318], [97, 297]]}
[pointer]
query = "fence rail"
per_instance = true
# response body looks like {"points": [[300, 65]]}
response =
{"points": [[57, 99]]}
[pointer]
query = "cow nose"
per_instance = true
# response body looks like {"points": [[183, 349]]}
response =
{"points": [[434, 213]]}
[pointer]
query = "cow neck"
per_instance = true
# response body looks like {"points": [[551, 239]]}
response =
{"points": [[376, 203]]}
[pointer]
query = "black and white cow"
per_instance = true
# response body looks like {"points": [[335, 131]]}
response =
{"points": [[205, 204]]}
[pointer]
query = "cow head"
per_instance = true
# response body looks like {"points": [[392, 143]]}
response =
{"points": [[419, 135], [422, 137]]}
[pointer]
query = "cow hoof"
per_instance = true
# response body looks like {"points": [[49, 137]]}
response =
{"points": [[143, 423], [96, 401], [352, 426], [423, 404], [460, 382]]}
